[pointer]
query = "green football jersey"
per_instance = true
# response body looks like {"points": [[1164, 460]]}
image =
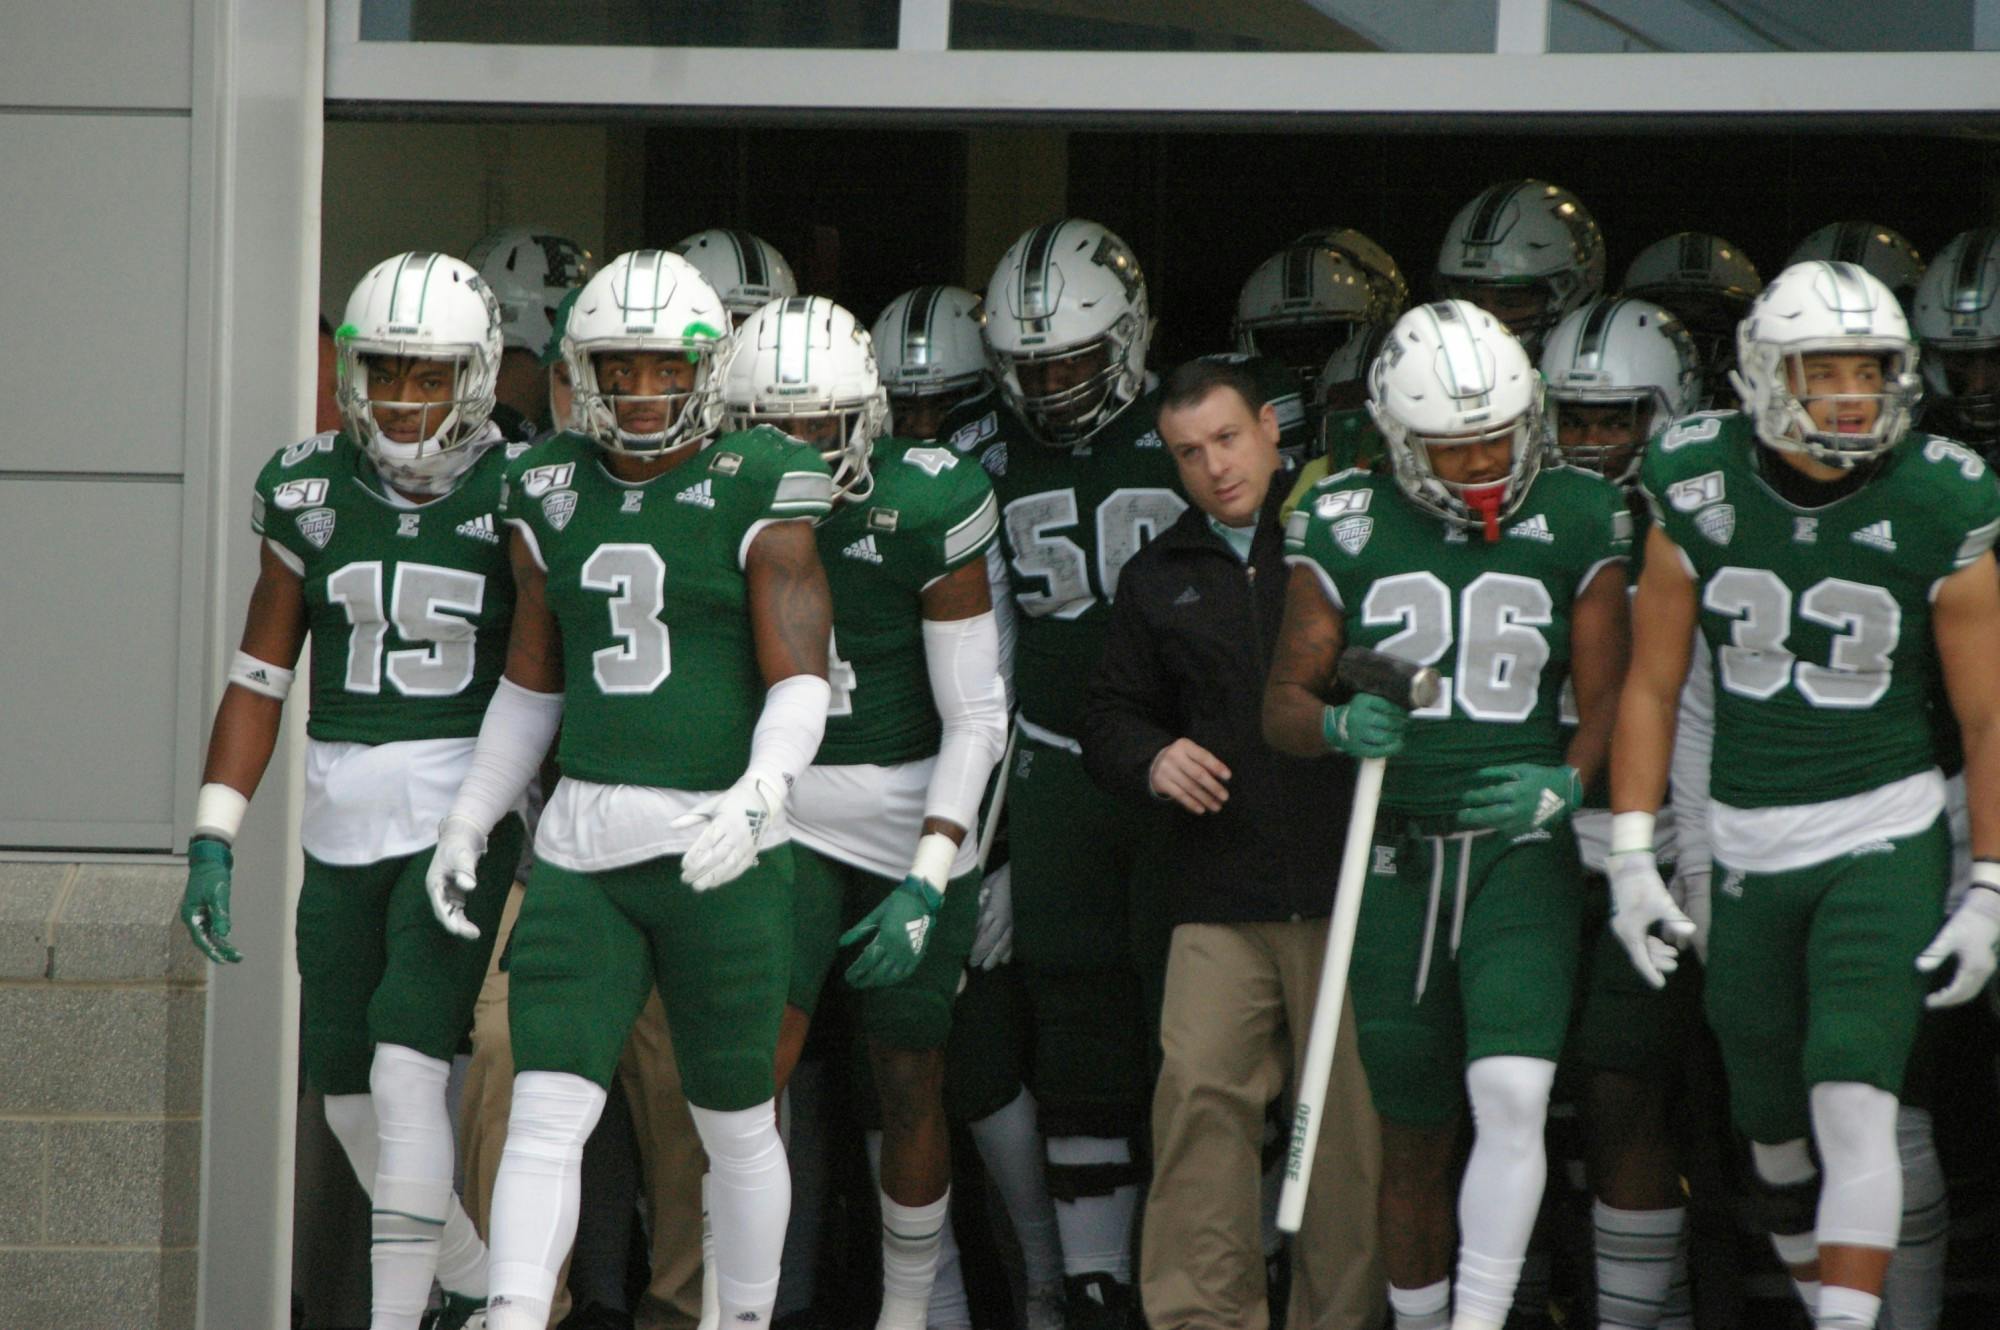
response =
{"points": [[647, 584], [931, 512], [1818, 619], [1493, 618], [408, 605], [1070, 519], [1598, 796]]}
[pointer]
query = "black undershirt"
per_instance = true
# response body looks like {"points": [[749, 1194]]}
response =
{"points": [[1803, 491]]}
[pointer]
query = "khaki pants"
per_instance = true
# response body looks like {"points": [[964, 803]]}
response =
{"points": [[670, 1152], [1238, 1012]]}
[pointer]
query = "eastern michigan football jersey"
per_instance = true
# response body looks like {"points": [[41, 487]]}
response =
{"points": [[931, 512], [646, 582], [408, 605], [1818, 619], [1493, 618], [1070, 519]]}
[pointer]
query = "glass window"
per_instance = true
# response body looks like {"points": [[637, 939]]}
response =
{"points": [[852, 24], [1244, 25], [1772, 25]]}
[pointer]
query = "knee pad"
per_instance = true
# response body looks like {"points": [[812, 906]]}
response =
{"points": [[1510, 1098], [738, 1140], [1861, 1199], [1785, 1200]]}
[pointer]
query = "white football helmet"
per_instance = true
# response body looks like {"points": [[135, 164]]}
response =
{"points": [[1957, 322], [746, 271], [1067, 304], [1526, 251], [1880, 250], [420, 307], [1302, 305], [1371, 258], [1820, 308], [1451, 375], [1618, 355], [1710, 283], [805, 358], [530, 272], [929, 350], [650, 301]]}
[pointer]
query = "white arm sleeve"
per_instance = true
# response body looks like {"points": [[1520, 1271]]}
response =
{"points": [[513, 739], [1003, 616], [963, 656], [789, 729], [1694, 739]]}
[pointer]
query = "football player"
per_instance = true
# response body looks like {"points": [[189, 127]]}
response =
{"points": [[1836, 563], [1879, 250], [379, 540], [1302, 305], [1525, 251], [884, 818], [1375, 263], [1709, 282], [673, 618], [530, 272], [746, 271], [1620, 372], [931, 357], [1082, 481], [1508, 578], [1957, 322]]}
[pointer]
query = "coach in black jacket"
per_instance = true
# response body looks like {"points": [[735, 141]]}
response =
{"points": [[1174, 715]]}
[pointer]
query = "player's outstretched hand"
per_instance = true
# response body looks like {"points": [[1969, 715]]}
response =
{"points": [[730, 822], [1639, 903], [205, 902], [1521, 797], [993, 941], [1368, 726], [1968, 937], [901, 925], [453, 872]]}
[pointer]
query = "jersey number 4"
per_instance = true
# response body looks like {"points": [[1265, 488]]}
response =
{"points": [[427, 604], [1501, 650]]}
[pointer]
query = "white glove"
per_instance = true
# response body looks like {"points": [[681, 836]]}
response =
{"points": [[735, 818], [993, 943], [1690, 890], [454, 871], [1639, 901], [1968, 937]]}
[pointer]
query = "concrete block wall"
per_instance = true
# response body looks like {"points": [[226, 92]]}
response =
{"points": [[102, 1002]]}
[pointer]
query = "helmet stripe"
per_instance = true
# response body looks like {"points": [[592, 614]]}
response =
{"points": [[1596, 325], [749, 258], [1694, 252], [1851, 245], [794, 354], [1971, 267], [1035, 255], [1298, 273], [1487, 217], [1468, 377], [917, 329]]}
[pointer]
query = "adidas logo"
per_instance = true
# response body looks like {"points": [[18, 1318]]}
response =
{"points": [[864, 550], [1879, 534], [1188, 596], [918, 930], [1534, 528], [481, 527], [702, 496]]}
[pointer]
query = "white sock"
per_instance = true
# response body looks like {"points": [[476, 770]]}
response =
{"points": [[1426, 1308], [1913, 1293], [711, 1305], [912, 1236], [1096, 1231], [461, 1262], [1636, 1252], [1678, 1313], [535, 1194], [949, 1307], [1846, 1308], [1809, 1292], [750, 1198], [412, 1182], [1010, 1146], [1504, 1178]]}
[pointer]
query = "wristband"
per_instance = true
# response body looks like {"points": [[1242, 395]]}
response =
{"points": [[218, 812], [260, 676], [1986, 873], [932, 864], [1632, 833]]}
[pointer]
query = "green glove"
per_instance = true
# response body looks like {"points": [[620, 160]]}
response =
{"points": [[205, 903], [901, 924], [1368, 726], [1521, 797]]}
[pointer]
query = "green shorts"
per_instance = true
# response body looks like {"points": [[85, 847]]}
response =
{"points": [[589, 947], [1624, 1024], [829, 897], [1812, 975], [376, 967], [1507, 990]]}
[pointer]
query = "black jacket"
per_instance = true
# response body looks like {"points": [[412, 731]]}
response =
{"points": [[1186, 654]]}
